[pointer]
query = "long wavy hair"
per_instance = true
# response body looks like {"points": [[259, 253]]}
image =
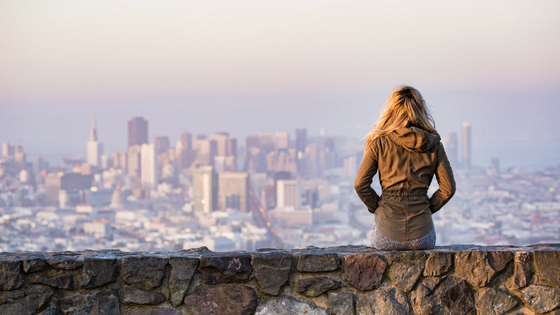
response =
{"points": [[404, 108]]}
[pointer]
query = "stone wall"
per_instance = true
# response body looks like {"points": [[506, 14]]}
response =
{"points": [[312, 281]]}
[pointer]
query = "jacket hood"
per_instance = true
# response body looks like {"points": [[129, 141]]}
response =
{"points": [[414, 139]]}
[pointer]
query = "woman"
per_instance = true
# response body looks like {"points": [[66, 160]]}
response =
{"points": [[406, 149]]}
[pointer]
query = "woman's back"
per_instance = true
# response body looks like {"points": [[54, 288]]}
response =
{"points": [[407, 160]]}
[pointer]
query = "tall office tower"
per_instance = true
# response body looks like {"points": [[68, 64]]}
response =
{"points": [[282, 141], [162, 144], [221, 139], [133, 161], [233, 191], [94, 147], [312, 166], [196, 142], [120, 160], [183, 151], [301, 143], [452, 149], [54, 182], [231, 148], [467, 162], [252, 141], [206, 152], [186, 139], [350, 167], [8, 150], [149, 173], [287, 194], [266, 142], [137, 131], [204, 189], [19, 156]]}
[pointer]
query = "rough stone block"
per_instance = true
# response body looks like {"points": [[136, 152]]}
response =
{"points": [[341, 303], [143, 272], [522, 271], [34, 264], [438, 263], [289, 305], [480, 267], [388, 301], [137, 296], [157, 311], [230, 267], [364, 271], [65, 281], [316, 286], [405, 269], [98, 271], [10, 275], [272, 270], [182, 272], [318, 262], [222, 300], [541, 298], [64, 262], [51, 311], [448, 295], [105, 302], [547, 265], [24, 302], [493, 302]]}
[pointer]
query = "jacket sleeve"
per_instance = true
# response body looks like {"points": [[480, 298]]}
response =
{"points": [[362, 184], [444, 176]]}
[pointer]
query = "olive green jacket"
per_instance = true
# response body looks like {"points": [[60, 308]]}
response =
{"points": [[407, 160]]}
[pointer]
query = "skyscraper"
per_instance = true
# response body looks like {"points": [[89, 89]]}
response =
{"points": [[149, 173], [287, 194], [137, 131], [301, 143], [204, 189], [282, 141], [466, 145], [233, 187], [162, 144], [94, 148]]}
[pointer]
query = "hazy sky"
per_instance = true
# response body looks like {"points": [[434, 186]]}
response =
{"points": [[263, 66]]}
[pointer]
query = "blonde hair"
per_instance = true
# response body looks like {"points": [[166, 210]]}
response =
{"points": [[405, 108]]}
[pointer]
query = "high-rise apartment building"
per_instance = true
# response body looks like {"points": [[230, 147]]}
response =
{"points": [[94, 147], [287, 194], [137, 131], [149, 173], [204, 189], [233, 191], [466, 145]]}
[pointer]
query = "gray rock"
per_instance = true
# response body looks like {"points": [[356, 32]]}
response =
{"points": [[522, 271], [157, 311], [227, 267], [104, 302], [341, 303], [65, 281], [547, 265], [541, 298], [222, 300], [316, 286], [448, 295], [289, 306], [10, 275], [480, 267], [98, 272], [24, 302], [318, 262], [493, 302], [143, 272], [34, 264], [272, 270], [389, 301], [136, 296], [182, 271], [405, 269], [64, 262], [364, 271], [438, 263], [51, 311]]}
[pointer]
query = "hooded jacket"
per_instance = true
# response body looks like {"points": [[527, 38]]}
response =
{"points": [[407, 160]]}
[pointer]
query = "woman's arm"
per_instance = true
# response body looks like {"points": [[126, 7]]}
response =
{"points": [[362, 184], [444, 176]]}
